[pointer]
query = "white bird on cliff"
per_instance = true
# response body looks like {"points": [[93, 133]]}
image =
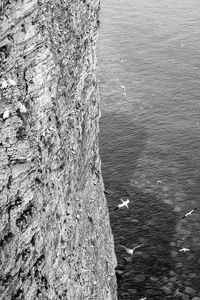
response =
{"points": [[184, 249], [6, 114], [124, 203], [21, 107], [4, 84], [189, 213], [131, 251], [11, 82]]}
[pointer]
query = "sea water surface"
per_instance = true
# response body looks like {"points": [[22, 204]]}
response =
{"points": [[149, 76]]}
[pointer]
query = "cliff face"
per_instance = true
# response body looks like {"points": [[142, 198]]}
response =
{"points": [[55, 236]]}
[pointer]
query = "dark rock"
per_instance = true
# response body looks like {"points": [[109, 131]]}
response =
{"points": [[153, 292], [119, 272], [132, 292], [190, 291], [154, 278], [139, 278], [166, 289]]}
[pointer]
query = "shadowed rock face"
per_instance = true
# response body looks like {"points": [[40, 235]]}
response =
{"points": [[55, 236]]}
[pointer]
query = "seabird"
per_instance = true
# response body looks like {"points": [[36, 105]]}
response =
{"points": [[124, 203], [189, 213], [134, 221], [131, 251], [123, 87], [159, 181], [184, 249], [106, 192], [143, 298], [11, 82], [21, 107], [4, 84], [6, 114], [121, 60]]}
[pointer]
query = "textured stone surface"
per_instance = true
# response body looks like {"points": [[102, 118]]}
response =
{"points": [[55, 236]]}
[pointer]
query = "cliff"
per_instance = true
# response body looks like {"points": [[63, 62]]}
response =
{"points": [[55, 236]]}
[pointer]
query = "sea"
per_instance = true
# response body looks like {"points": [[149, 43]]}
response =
{"points": [[148, 55]]}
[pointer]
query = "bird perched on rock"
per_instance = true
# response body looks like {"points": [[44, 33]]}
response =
{"points": [[124, 203], [131, 251], [184, 249], [22, 108], [189, 213], [4, 84], [11, 82], [6, 114]]}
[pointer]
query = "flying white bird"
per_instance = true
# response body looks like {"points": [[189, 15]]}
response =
{"points": [[189, 213], [124, 203], [143, 298], [121, 60], [134, 221], [131, 251], [184, 249], [159, 181], [106, 192], [123, 87]]}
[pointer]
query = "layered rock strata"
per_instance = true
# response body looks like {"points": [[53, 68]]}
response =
{"points": [[55, 236]]}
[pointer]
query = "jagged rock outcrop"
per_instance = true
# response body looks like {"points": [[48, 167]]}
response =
{"points": [[55, 236]]}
